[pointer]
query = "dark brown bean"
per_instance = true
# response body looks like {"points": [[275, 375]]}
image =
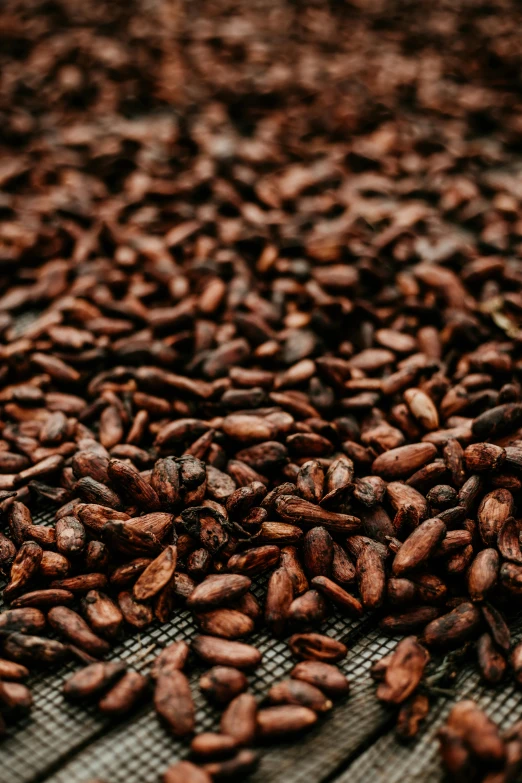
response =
{"points": [[222, 652], [173, 702], [322, 675], [299, 692], [74, 628], [284, 720], [316, 647], [239, 719], [221, 684], [103, 615], [186, 772], [93, 679]]}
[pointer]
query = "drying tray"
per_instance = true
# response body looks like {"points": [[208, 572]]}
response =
{"points": [[64, 743]]}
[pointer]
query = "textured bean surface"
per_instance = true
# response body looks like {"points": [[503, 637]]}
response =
{"points": [[260, 312]]}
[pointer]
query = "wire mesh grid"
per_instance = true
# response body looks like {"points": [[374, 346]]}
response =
{"points": [[141, 749], [389, 761], [61, 742]]}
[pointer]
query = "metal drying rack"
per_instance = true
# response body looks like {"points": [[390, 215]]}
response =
{"points": [[59, 742]]}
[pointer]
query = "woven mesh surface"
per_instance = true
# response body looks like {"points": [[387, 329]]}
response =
{"points": [[65, 743], [388, 761]]}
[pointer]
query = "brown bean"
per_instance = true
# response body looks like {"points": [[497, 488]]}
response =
{"points": [[419, 546], [174, 657], [318, 552], [23, 648], [24, 567], [173, 702], [284, 720], [347, 603], [403, 461], [289, 560], [254, 561], [74, 628], [9, 670], [492, 663], [483, 574], [239, 719], [453, 628], [25, 620], [322, 675], [237, 767], [299, 692], [222, 652], [278, 600], [123, 697], [316, 647], [222, 683], [219, 590], [156, 575], [103, 615], [479, 732], [134, 613], [213, 745], [70, 536], [404, 671], [93, 679], [228, 623], [186, 772]]}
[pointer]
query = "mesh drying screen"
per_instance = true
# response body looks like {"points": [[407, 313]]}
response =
{"points": [[388, 761], [64, 743]]}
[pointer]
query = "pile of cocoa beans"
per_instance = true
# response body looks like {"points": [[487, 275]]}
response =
{"points": [[426, 539], [261, 356]]}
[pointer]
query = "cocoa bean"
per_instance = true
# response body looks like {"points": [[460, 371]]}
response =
{"points": [[123, 697], [284, 720], [322, 675], [239, 719], [93, 679], [316, 647], [221, 684], [173, 702], [222, 652]]}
